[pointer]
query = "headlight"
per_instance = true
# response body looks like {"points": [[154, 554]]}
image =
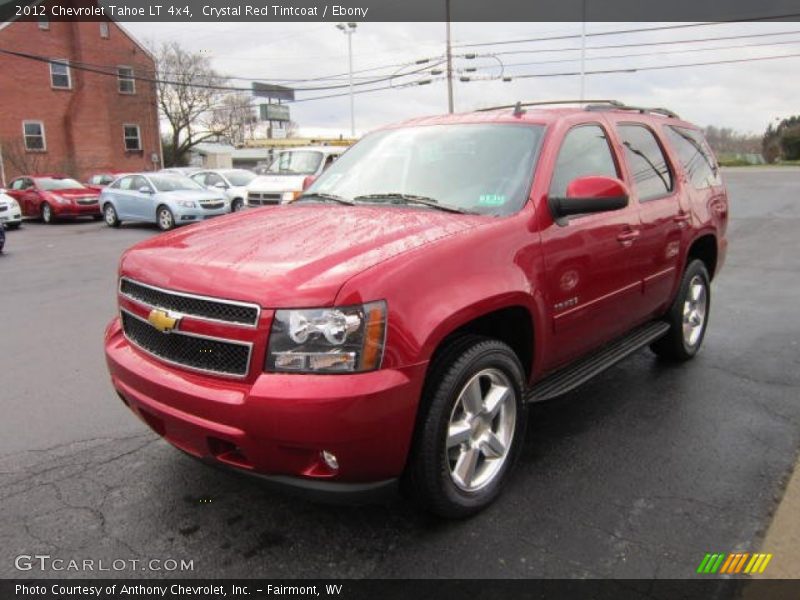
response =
{"points": [[327, 340], [61, 199], [187, 203], [287, 197]]}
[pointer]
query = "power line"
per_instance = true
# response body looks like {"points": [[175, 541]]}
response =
{"points": [[624, 31]]}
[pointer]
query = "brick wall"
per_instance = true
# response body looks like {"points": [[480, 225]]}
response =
{"points": [[83, 125]]}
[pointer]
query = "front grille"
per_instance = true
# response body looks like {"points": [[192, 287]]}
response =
{"points": [[87, 201], [193, 352], [186, 304], [258, 199], [212, 205]]}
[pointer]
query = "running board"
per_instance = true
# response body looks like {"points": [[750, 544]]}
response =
{"points": [[578, 373]]}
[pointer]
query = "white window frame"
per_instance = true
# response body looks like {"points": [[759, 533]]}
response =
{"points": [[120, 79], [125, 137], [65, 62], [105, 30], [25, 136]]}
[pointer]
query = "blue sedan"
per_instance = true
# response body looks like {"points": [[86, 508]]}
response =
{"points": [[162, 198]]}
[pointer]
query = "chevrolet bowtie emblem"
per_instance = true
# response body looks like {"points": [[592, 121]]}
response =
{"points": [[162, 320]]}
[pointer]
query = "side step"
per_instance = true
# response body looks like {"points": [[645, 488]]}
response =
{"points": [[578, 373]]}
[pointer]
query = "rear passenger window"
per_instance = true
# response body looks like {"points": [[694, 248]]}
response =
{"points": [[585, 151], [648, 165], [695, 156]]}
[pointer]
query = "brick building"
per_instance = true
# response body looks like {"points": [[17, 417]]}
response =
{"points": [[58, 117]]}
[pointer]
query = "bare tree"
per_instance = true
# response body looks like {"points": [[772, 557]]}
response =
{"points": [[292, 129], [21, 160], [234, 119]]}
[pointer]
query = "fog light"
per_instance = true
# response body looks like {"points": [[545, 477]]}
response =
{"points": [[330, 460]]}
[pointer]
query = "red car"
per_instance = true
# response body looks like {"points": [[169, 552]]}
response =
{"points": [[53, 197], [98, 181], [393, 324]]}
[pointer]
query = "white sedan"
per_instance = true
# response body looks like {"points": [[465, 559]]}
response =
{"points": [[10, 213], [231, 182]]}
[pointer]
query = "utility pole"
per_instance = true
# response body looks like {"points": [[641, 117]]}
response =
{"points": [[583, 51], [349, 29], [449, 60]]}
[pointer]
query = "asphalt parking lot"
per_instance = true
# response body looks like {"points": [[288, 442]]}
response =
{"points": [[638, 473]]}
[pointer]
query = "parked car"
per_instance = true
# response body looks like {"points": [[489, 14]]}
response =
{"points": [[392, 325], [53, 197], [290, 173], [10, 211], [100, 180], [185, 171], [162, 198], [231, 182]]}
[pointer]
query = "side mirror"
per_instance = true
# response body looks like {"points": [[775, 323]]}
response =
{"points": [[590, 194], [145, 190], [308, 181]]}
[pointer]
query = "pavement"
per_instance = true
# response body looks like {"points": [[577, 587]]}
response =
{"points": [[637, 474]]}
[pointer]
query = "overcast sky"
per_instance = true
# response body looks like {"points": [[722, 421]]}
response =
{"points": [[744, 96]]}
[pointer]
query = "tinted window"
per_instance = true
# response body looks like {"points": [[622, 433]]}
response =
{"points": [[695, 156], [585, 151], [646, 161]]}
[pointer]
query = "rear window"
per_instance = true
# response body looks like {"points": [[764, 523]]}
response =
{"points": [[695, 155]]}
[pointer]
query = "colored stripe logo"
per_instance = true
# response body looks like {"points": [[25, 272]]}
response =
{"points": [[732, 564]]}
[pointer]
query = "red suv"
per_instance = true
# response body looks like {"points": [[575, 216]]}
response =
{"points": [[391, 326]]}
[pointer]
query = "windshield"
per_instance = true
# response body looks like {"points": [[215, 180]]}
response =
{"points": [[472, 167], [298, 162], [239, 178], [173, 183], [51, 183]]}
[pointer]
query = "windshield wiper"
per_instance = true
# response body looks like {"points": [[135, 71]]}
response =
{"points": [[398, 198], [323, 196]]}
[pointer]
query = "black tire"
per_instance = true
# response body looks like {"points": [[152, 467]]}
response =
{"points": [[165, 218], [110, 215], [429, 478], [237, 205], [677, 345], [47, 214]]}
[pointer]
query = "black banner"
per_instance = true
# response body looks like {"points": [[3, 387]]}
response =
{"points": [[401, 10]]}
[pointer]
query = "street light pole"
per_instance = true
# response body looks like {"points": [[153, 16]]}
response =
{"points": [[449, 60], [583, 51], [349, 29]]}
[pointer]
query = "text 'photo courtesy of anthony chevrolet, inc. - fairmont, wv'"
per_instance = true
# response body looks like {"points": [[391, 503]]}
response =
{"points": [[375, 299]]}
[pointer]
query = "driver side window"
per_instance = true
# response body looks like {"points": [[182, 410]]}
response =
{"points": [[584, 151]]}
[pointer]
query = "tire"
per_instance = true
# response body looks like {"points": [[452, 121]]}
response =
{"points": [[47, 214], [110, 215], [687, 317], [237, 205], [463, 451], [165, 218]]}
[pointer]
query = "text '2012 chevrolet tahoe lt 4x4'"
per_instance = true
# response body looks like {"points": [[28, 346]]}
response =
{"points": [[391, 326]]}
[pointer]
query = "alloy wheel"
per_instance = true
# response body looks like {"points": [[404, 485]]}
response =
{"points": [[695, 308]]}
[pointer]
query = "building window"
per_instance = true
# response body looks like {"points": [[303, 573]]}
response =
{"points": [[44, 23], [33, 132], [59, 74], [125, 80], [133, 141], [104, 30]]}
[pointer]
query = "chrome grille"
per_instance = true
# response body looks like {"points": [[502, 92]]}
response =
{"points": [[194, 352], [258, 199], [87, 201], [227, 311]]}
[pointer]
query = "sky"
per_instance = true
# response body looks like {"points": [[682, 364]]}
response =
{"points": [[743, 96]]}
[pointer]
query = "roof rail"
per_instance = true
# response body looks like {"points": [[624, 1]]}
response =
{"points": [[590, 105], [517, 106], [640, 109]]}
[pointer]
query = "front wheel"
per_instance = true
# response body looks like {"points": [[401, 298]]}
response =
{"points": [[110, 215], [47, 214], [688, 316], [237, 205], [471, 430], [165, 219]]}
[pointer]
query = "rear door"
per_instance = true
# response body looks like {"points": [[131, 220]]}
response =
{"points": [[657, 196], [587, 259]]}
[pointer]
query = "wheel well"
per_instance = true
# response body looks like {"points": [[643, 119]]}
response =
{"points": [[512, 326], [705, 248]]}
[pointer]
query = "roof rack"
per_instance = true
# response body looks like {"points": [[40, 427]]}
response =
{"points": [[593, 105]]}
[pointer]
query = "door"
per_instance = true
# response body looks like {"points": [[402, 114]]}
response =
{"points": [[142, 205], [23, 190], [121, 193], [587, 258], [654, 190]]}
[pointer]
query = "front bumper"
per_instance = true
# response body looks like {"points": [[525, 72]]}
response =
{"points": [[277, 425], [11, 217], [194, 215], [75, 210]]}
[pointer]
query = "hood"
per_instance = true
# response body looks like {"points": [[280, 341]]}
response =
{"points": [[277, 183], [76, 193], [285, 256]]}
